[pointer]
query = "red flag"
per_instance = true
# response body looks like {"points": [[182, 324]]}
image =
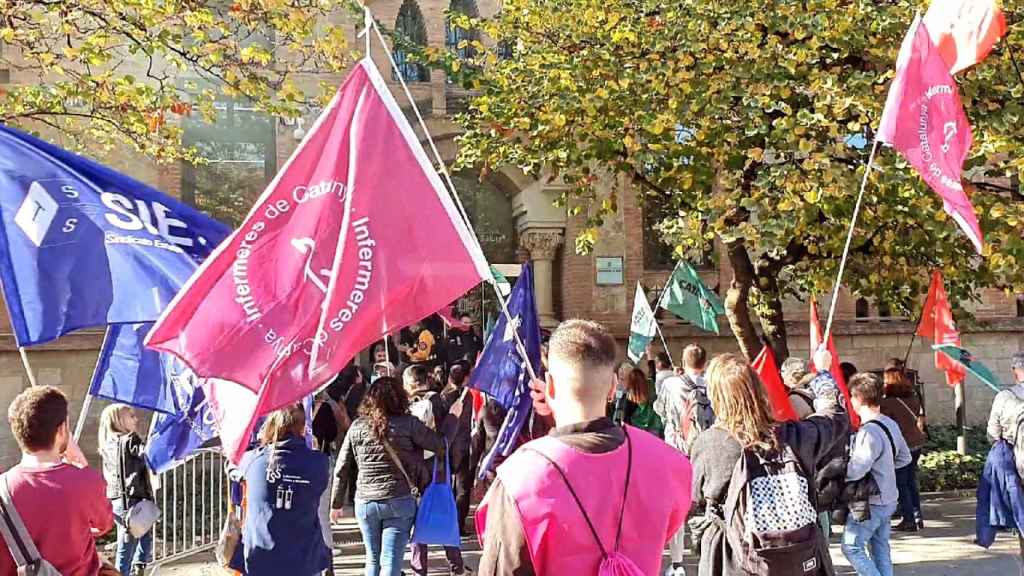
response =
{"points": [[768, 371], [964, 31], [355, 238], [925, 121], [447, 315], [937, 323], [837, 372]]}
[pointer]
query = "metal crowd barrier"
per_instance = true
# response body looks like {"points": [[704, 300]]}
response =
{"points": [[193, 500]]}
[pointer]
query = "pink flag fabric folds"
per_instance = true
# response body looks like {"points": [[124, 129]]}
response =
{"points": [[925, 121], [355, 238], [964, 31]]}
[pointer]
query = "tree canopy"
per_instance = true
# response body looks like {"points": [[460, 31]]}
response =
{"points": [[750, 121], [111, 73]]}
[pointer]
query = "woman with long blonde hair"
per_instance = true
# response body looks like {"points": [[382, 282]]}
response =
{"points": [[127, 476], [745, 425]]}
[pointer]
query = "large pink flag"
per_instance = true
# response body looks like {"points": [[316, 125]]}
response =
{"points": [[278, 308], [925, 121]]}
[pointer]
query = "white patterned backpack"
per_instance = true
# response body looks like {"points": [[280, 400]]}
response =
{"points": [[771, 515]]}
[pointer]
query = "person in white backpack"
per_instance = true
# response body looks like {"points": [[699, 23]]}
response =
{"points": [[754, 477], [53, 505]]}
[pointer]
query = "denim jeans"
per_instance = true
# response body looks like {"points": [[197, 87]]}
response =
{"points": [[872, 536], [386, 526], [910, 497], [131, 551]]}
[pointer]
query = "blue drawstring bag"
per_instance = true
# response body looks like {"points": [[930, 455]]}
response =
{"points": [[437, 518]]}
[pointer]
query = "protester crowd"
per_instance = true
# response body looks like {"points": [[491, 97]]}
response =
{"points": [[620, 462]]}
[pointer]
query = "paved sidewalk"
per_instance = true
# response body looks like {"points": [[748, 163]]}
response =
{"points": [[945, 548]]}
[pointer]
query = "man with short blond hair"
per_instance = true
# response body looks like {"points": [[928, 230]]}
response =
{"points": [[534, 518], [63, 506]]}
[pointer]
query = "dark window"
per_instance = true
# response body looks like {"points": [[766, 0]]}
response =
{"points": [[863, 309], [410, 31], [454, 35], [658, 255], [491, 214], [241, 157]]}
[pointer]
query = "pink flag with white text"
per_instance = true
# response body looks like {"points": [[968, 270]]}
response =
{"points": [[279, 309], [925, 121]]}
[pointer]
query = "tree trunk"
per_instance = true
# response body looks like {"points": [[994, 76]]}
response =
{"points": [[737, 300], [773, 323]]}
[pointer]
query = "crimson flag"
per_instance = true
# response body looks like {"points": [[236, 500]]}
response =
{"points": [[938, 325], [837, 372], [768, 371]]}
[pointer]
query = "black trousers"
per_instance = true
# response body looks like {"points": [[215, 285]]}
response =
{"points": [[463, 484]]}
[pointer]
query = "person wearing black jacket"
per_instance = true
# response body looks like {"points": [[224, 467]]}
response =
{"points": [[127, 477], [386, 445], [462, 471], [463, 343]]}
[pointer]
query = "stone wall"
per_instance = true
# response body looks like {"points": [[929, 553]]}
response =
{"points": [[67, 364]]}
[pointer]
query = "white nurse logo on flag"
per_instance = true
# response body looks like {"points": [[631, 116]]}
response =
{"points": [[511, 328], [36, 213]]}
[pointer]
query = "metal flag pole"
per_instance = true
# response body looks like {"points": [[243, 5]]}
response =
{"points": [[451, 186], [21, 349], [664, 343], [849, 239], [87, 403]]}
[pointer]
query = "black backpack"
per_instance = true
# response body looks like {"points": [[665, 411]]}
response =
{"points": [[698, 416], [772, 516]]}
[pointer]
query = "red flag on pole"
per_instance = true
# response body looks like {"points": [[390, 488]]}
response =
{"points": [[768, 371], [837, 372], [964, 31], [938, 325], [355, 238], [447, 315], [925, 121]]}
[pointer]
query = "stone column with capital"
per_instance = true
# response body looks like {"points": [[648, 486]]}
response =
{"points": [[542, 246]]}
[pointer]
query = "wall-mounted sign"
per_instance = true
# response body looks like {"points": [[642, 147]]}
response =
{"points": [[609, 271]]}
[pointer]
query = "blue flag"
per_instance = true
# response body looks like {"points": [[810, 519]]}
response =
{"points": [[174, 436], [130, 373], [499, 373], [82, 245], [502, 373]]}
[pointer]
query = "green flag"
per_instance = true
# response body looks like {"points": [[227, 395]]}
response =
{"points": [[504, 286], [686, 296], [972, 365], [643, 327]]}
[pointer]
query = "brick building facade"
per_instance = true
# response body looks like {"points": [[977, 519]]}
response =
{"points": [[515, 217]]}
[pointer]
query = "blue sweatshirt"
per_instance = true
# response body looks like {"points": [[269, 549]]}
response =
{"points": [[282, 528]]}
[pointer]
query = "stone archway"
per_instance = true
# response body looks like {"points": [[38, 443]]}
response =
{"points": [[527, 208]]}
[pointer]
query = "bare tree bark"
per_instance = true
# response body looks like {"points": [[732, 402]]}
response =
{"points": [[773, 323], [737, 299]]}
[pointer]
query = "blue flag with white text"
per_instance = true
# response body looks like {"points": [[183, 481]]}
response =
{"points": [[501, 372], [82, 245]]}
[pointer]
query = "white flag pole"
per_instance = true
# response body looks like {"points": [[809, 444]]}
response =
{"points": [[87, 403], [849, 239], [451, 186], [21, 349]]}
